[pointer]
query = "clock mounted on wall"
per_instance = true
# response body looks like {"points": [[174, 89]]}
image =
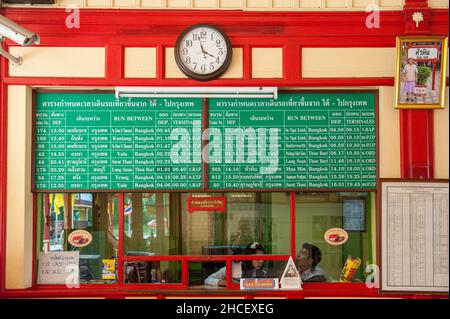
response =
{"points": [[203, 52]]}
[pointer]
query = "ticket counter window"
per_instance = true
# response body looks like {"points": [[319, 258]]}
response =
{"points": [[162, 224], [60, 214], [212, 275], [248, 217], [316, 213]]}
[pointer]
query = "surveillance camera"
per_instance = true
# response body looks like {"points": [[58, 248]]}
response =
{"points": [[17, 33]]}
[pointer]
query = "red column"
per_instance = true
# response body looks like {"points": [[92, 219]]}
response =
{"points": [[417, 144], [3, 132], [416, 126]]}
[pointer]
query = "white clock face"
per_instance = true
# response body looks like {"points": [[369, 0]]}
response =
{"points": [[203, 50]]}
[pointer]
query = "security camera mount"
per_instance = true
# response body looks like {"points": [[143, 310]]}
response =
{"points": [[9, 56], [16, 33]]}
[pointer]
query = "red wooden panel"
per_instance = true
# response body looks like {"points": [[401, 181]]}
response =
{"points": [[416, 144]]}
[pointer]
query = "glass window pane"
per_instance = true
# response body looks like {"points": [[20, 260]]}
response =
{"points": [[248, 217], [59, 214], [213, 274], [318, 212], [161, 224], [152, 272], [151, 224]]}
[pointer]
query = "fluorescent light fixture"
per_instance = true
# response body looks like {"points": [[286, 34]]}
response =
{"points": [[198, 92]]}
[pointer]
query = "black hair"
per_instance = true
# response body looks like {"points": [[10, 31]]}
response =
{"points": [[314, 253], [251, 249]]}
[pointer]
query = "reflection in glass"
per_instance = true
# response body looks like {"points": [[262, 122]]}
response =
{"points": [[248, 217], [213, 274], [315, 214], [160, 224], [152, 272], [150, 224], [59, 214]]}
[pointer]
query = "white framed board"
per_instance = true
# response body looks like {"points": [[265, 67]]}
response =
{"points": [[414, 236]]}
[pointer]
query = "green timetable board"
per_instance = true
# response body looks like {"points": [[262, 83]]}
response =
{"points": [[93, 141], [298, 141]]}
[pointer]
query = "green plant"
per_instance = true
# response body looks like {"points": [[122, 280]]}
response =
{"points": [[424, 73]]}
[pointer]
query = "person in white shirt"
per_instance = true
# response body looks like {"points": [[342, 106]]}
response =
{"points": [[245, 269], [309, 258], [409, 76]]}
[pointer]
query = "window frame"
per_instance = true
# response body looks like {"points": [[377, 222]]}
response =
{"points": [[183, 259], [320, 289]]}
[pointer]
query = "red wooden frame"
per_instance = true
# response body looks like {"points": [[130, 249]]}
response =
{"points": [[116, 29], [417, 143], [3, 160]]}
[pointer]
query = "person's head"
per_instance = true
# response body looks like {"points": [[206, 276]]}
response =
{"points": [[309, 256], [255, 248], [411, 61]]}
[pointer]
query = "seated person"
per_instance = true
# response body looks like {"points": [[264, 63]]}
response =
{"points": [[308, 259], [245, 269]]}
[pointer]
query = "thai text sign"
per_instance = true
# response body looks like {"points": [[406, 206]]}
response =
{"points": [[300, 140], [206, 204], [317, 140], [59, 267], [93, 141]]}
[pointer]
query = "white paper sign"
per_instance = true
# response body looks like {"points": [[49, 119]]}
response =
{"points": [[423, 53], [59, 267]]}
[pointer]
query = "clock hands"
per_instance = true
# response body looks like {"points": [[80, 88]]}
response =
{"points": [[203, 51], [210, 54]]}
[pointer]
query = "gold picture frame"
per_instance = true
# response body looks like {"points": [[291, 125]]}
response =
{"points": [[421, 68]]}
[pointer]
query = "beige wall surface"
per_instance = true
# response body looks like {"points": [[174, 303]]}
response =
{"points": [[267, 62], [389, 135], [140, 63], [348, 62], [172, 70], [19, 210], [441, 140], [59, 62]]}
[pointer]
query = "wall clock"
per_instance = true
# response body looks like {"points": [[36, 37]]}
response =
{"points": [[203, 52]]}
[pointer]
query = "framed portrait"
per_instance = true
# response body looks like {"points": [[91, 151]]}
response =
{"points": [[421, 69]]}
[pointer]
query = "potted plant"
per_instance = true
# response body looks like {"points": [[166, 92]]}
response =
{"points": [[423, 75]]}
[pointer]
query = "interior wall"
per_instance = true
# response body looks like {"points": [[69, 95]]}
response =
{"points": [[19, 211]]}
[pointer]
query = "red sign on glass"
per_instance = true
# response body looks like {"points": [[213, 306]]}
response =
{"points": [[206, 204]]}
